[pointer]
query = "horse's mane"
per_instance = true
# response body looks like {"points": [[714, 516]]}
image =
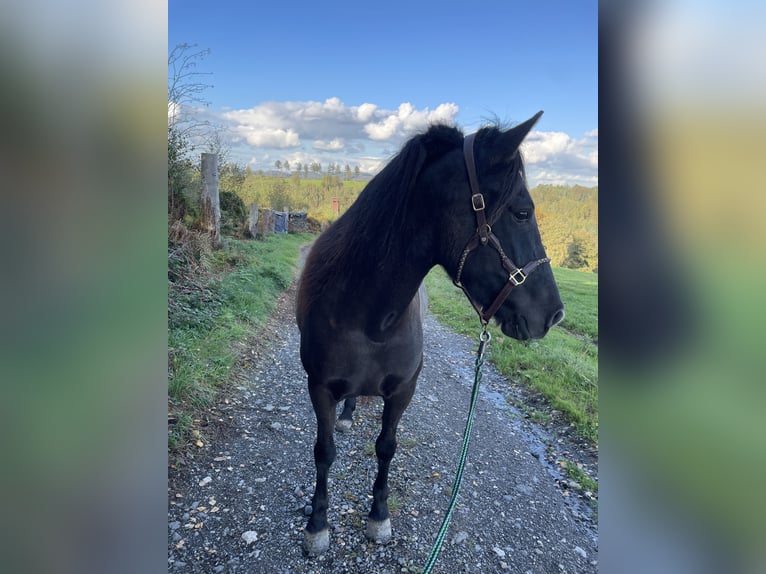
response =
{"points": [[378, 218], [368, 234]]}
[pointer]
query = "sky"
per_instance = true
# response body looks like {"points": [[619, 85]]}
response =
{"points": [[350, 82]]}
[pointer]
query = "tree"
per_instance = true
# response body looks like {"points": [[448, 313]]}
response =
{"points": [[287, 166], [231, 177], [316, 167], [357, 171], [298, 167], [180, 176], [185, 91], [348, 172], [233, 214], [278, 197], [217, 144], [305, 170], [278, 165], [575, 258], [295, 181]]}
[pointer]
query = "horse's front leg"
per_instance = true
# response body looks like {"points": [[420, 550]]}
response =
{"points": [[317, 535], [379, 521]]}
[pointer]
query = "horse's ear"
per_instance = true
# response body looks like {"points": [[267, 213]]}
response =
{"points": [[512, 138]]}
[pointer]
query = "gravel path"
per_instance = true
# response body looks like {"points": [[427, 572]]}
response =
{"points": [[238, 503]]}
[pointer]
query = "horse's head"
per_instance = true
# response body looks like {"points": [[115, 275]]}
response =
{"points": [[489, 240]]}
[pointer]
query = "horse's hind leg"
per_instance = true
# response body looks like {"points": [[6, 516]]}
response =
{"points": [[379, 521], [345, 420], [317, 535]]}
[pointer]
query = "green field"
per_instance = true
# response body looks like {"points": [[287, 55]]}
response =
{"points": [[563, 366]]}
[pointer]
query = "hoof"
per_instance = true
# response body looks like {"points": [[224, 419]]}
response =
{"points": [[343, 425], [316, 543], [379, 531]]}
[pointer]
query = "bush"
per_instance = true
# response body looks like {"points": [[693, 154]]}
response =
{"points": [[233, 214], [191, 301], [314, 225]]}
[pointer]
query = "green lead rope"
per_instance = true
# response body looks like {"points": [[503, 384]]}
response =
{"points": [[484, 338]]}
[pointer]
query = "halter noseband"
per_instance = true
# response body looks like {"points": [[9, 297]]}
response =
{"points": [[483, 237]]}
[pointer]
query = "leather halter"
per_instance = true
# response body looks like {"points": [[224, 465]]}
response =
{"points": [[484, 237]]}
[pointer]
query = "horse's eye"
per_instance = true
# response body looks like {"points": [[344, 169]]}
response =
{"points": [[522, 214]]}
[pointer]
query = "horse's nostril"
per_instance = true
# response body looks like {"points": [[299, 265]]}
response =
{"points": [[556, 318]]}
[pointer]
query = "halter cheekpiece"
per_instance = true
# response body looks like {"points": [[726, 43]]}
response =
{"points": [[483, 237]]}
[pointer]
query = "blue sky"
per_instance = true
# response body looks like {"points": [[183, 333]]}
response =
{"points": [[348, 82]]}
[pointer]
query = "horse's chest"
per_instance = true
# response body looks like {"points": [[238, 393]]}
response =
{"points": [[365, 364]]}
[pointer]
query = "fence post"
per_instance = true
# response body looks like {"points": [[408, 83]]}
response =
{"points": [[253, 222], [211, 208], [286, 209]]}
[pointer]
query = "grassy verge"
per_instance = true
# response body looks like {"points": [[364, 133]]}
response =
{"points": [[221, 303], [563, 366]]}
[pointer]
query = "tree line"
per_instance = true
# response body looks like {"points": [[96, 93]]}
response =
{"points": [[315, 168], [314, 196]]}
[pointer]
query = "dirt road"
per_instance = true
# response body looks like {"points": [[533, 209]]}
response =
{"points": [[238, 503]]}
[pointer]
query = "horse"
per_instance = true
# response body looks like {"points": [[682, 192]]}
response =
{"points": [[445, 199]]}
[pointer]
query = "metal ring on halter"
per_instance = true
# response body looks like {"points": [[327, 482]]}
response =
{"points": [[485, 335], [512, 277]]}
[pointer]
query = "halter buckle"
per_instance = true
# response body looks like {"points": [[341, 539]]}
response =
{"points": [[477, 200], [512, 277]]}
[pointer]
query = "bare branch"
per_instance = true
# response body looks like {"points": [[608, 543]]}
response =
{"points": [[185, 87]]}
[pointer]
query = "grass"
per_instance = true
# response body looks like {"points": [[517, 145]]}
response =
{"points": [[579, 291], [227, 307], [578, 475], [588, 486], [394, 504], [563, 366]]}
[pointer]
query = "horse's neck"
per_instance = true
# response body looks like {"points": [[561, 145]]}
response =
{"points": [[383, 266], [380, 298]]}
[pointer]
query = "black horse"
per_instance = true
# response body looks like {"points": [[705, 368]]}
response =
{"points": [[459, 202]]}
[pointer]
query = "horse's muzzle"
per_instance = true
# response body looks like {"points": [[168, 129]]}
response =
{"points": [[556, 318], [519, 326]]}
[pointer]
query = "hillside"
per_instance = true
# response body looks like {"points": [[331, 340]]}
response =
{"points": [[568, 220]]}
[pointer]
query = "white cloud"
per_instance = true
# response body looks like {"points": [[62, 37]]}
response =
{"points": [[382, 130], [365, 111], [333, 145], [371, 164], [407, 120], [539, 146], [557, 158], [333, 120], [269, 137]]}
